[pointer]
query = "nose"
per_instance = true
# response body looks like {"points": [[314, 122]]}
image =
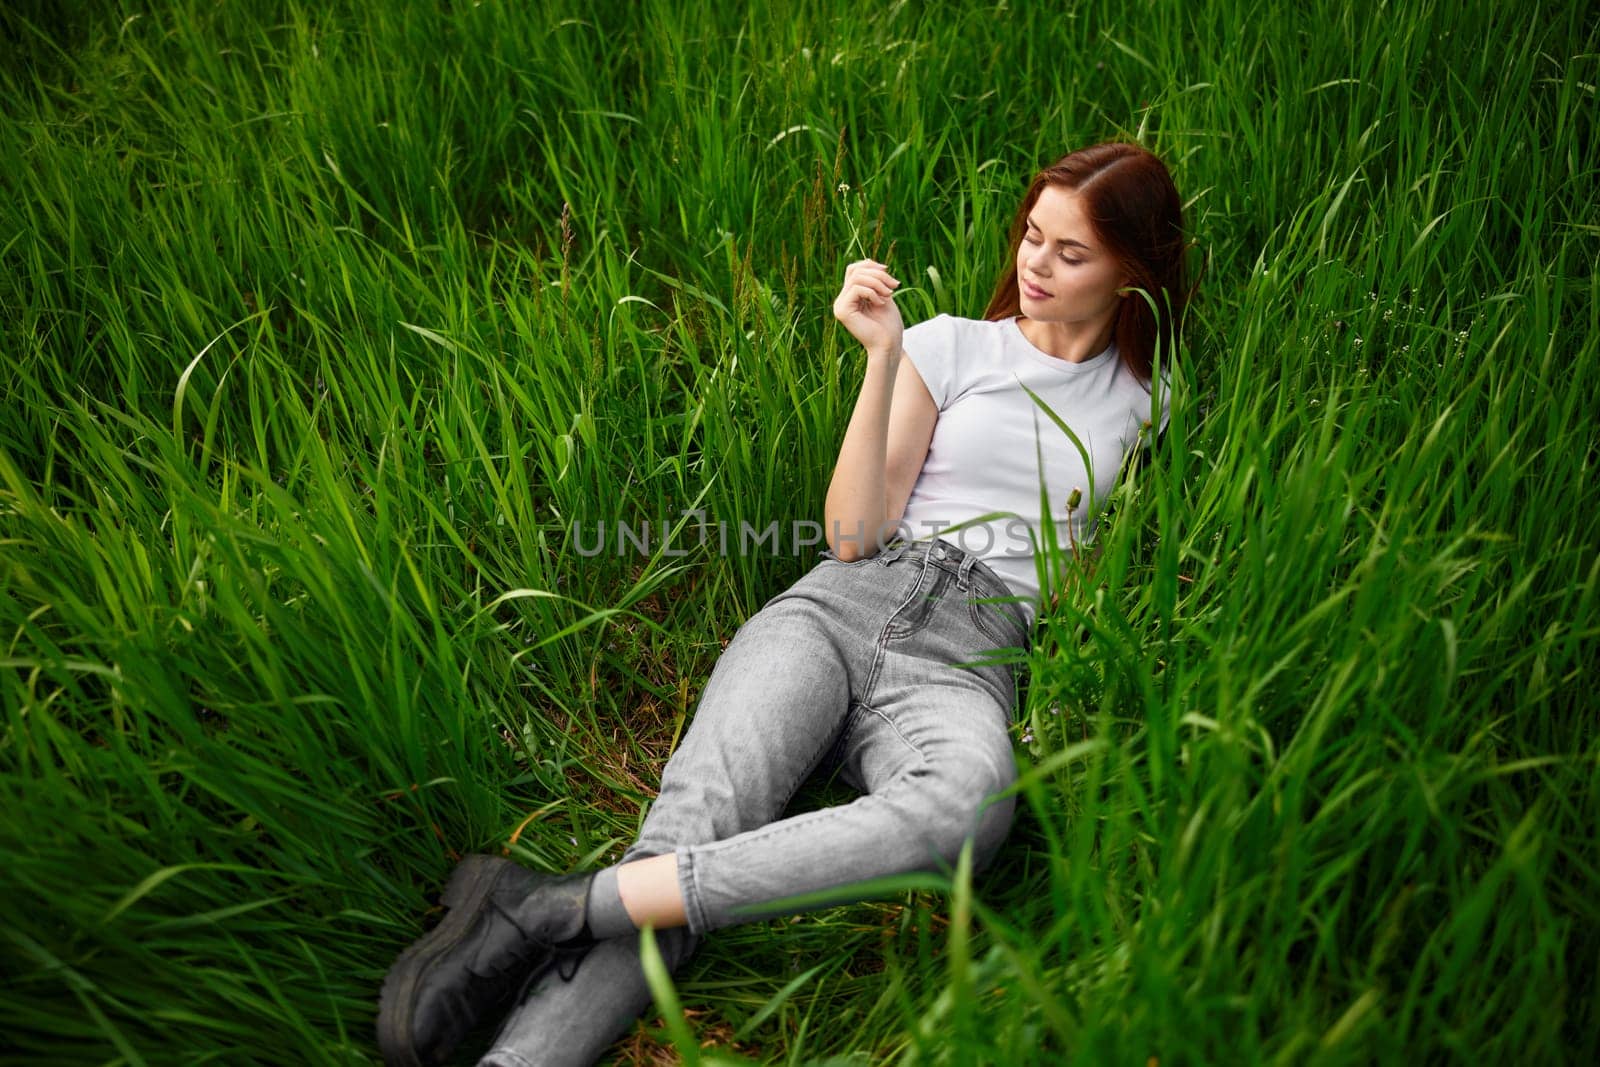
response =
{"points": [[1038, 260]]}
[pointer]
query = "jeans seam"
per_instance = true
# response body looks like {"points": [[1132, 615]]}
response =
{"points": [[888, 629], [689, 886], [977, 620], [803, 820], [897, 732], [883, 639], [508, 1054], [780, 824], [986, 583]]}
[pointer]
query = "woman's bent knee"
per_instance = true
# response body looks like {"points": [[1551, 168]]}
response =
{"points": [[963, 805], [994, 824]]}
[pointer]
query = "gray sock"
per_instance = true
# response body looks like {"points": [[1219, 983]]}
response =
{"points": [[606, 915]]}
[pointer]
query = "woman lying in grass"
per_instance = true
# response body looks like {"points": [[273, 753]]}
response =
{"points": [[873, 665]]}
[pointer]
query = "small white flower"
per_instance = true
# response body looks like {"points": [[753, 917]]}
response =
{"points": [[1358, 342], [844, 187]]}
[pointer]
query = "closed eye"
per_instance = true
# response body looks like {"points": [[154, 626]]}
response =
{"points": [[1032, 240]]}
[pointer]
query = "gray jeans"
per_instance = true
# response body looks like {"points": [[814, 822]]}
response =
{"points": [[873, 670]]}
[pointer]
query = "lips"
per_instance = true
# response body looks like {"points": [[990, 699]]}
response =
{"points": [[1034, 291]]}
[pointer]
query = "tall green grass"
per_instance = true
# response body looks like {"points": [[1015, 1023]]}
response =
{"points": [[323, 324]]}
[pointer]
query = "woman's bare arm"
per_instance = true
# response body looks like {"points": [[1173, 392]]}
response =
{"points": [[890, 429]]}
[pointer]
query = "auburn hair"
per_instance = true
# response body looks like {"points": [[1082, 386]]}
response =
{"points": [[1133, 206]]}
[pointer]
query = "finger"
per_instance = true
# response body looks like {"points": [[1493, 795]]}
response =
{"points": [[876, 277], [871, 285], [865, 296], [849, 297], [857, 286]]}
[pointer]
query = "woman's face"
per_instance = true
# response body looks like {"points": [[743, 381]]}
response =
{"points": [[1060, 258]]}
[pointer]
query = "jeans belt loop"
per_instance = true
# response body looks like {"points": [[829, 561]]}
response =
{"points": [[964, 576]]}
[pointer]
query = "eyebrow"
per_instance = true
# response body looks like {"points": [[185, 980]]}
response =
{"points": [[1068, 241]]}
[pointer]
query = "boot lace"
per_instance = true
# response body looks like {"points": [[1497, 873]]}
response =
{"points": [[566, 955]]}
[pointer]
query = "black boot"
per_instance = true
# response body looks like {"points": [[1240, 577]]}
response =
{"points": [[505, 925]]}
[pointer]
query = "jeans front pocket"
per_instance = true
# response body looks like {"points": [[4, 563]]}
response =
{"points": [[995, 619]]}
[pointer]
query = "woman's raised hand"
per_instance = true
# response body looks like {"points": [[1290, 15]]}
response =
{"points": [[866, 307]]}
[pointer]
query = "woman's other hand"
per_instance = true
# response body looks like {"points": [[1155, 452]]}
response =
{"points": [[866, 307]]}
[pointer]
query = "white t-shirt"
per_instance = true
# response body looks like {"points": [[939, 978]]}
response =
{"points": [[991, 438]]}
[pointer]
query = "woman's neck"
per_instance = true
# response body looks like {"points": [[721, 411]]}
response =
{"points": [[1069, 342]]}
